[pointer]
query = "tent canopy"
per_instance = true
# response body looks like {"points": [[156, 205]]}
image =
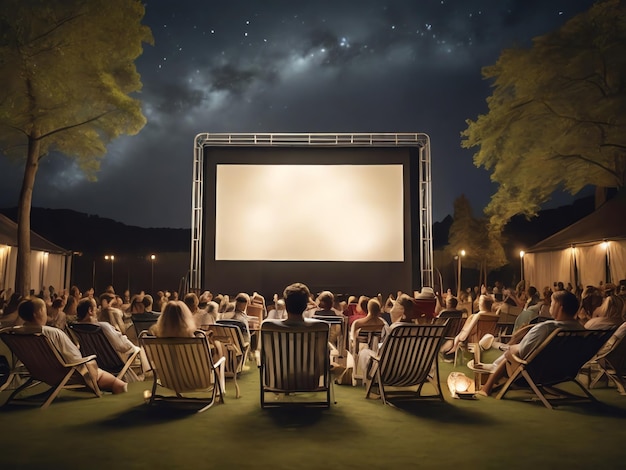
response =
{"points": [[8, 236]]}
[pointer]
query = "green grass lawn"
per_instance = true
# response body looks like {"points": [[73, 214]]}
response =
{"points": [[78, 431]]}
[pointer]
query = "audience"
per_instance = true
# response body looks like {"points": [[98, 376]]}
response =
{"points": [[33, 313], [56, 315]]}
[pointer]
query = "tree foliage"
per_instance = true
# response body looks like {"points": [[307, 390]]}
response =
{"points": [[68, 74], [556, 116], [483, 247]]}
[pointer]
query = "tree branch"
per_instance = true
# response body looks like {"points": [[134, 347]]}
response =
{"points": [[587, 160], [73, 126]]}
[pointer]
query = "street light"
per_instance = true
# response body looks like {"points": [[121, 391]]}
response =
{"points": [[458, 294], [152, 258], [521, 264], [112, 259]]}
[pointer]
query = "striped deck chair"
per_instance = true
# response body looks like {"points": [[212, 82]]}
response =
{"points": [[234, 347], [612, 364], [294, 360], [93, 341], [183, 365], [45, 365], [407, 359], [555, 361]]}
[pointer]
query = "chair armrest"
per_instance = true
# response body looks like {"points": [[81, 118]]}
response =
{"points": [[219, 362], [84, 360]]}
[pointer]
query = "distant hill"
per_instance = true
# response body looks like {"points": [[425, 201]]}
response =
{"points": [[87, 233]]}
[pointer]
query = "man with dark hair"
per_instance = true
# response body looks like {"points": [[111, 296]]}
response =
{"points": [[563, 309], [297, 297]]}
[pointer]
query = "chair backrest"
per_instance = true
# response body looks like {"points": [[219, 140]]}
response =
{"points": [[144, 321], [560, 357], [486, 324], [616, 356], [294, 359], [338, 324], [229, 331], [255, 315], [37, 353], [456, 320], [92, 340], [508, 313], [408, 354], [181, 364]]}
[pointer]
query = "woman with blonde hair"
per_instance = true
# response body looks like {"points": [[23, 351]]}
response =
{"points": [[608, 315], [175, 321]]}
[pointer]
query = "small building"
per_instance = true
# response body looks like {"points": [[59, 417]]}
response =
{"points": [[589, 252], [50, 264]]}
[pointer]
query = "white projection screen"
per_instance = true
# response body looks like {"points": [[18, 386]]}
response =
{"points": [[309, 213], [334, 218]]}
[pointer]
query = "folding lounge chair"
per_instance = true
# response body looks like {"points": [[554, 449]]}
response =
{"points": [[234, 346], [612, 364], [407, 358], [183, 365], [555, 361], [93, 341], [294, 360], [143, 321], [485, 324], [45, 365]]}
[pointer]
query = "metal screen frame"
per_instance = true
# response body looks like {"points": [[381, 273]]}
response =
{"points": [[417, 140]]}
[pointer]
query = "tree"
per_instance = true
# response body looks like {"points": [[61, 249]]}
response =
{"points": [[556, 116], [68, 75], [483, 247]]}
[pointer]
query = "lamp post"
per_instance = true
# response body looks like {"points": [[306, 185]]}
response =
{"points": [[152, 258], [460, 255], [521, 264], [112, 259], [607, 261]]}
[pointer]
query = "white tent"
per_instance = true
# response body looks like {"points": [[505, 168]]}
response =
{"points": [[588, 252], [50, 264]]}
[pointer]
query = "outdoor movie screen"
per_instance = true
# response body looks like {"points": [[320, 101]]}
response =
{"points": [[310, 212]]}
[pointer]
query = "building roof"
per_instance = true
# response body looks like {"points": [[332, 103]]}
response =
{"points": [[607, 222], [8, 236]]}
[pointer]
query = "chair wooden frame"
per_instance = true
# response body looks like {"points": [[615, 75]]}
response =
{"points": [[234, 346], [555, 361], [611, 364], [143, 321], [93, 341], [183, 365], [485, 324], [294, 360], [407, 359], [45, 365]]}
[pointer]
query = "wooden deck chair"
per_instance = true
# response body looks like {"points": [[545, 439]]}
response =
{"points": [[93, 341], [485, 324], [338, 330], [294, 360], [611, 363], [234, 347], [407, 358], [555, 361], [183, 365], [45, 365]]}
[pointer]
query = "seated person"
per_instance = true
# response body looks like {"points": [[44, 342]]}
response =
{"points": [[563, 308], [608, 315], [360, 310], [56, 315], [296, 302], [325, 308], [110, 313], [451, 310], [87, 312], [176, 321], [33, 312], [278, 312], [371, 322], [485, 304], [239, 313]]}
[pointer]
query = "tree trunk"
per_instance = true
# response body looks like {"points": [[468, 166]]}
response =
{"points": [[22, 278]]}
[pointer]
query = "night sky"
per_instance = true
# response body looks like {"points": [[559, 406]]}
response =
{"points": [[298, 66]]}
